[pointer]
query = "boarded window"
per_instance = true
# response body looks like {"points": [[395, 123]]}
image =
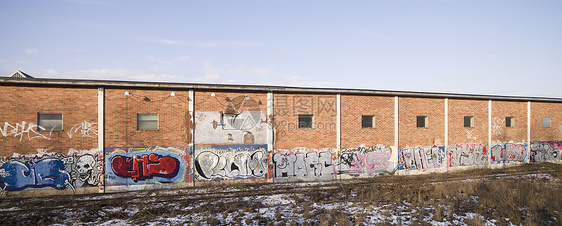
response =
{"points": [[546, 122], [421, 121], [509, 122], [368, 121], [468, 121], [147, 121], [49, 121], [306, 121]]}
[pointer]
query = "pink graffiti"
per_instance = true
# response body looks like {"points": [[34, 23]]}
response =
{"points": [[369, 162], [510, 153]]}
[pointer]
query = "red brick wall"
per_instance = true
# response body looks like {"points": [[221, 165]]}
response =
{"points": [[174, 120], [540, 110], [21, 104], [289, 106], [503, 109], [458, 134], [409, 134], [353, 107], [253, 130]]}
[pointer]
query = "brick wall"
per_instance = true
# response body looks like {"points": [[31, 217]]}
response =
{"points": [[289, 106], [540, 110], [174, 120], [18, 116], [409, 134], [352, 133], [458, 134], [503, 109]]}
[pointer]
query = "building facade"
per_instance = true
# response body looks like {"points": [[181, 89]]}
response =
{"points": [[73, 137]]}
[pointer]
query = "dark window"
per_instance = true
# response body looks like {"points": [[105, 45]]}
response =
{"points": [[546, 122], [49, 121], [147, 121], [368, 121], [306, 121], [421, 121], [509, 122], [468, 121]]}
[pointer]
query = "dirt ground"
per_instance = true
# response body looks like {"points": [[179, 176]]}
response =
{"points": [[525, 194]]}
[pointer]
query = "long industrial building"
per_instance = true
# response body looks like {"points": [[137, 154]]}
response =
{"points": [[79, 136]]}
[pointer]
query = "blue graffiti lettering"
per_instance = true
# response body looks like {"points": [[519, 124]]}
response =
{"points": [[50, 172]]}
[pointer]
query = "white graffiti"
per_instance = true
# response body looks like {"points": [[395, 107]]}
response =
{"points": [[546, 151], [304, 165], [421, 158], [231, 164], [87, 129], [467, 155], [497, 124], [470, 135], [22, 130]]}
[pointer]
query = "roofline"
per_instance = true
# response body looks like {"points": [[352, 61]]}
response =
{"points": [[262, 88]]}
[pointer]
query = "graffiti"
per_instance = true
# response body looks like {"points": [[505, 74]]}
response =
{"points": [[470, 135], [497, 124], [49, 172], [147, 165], [421, 158], [304, 165], [228, 162], [510, 152], [75, 170], [22, 130], [546, 151], [327, 105], [467, 155], [366, 161], [87, 129]]}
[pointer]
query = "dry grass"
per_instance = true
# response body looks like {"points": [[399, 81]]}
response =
{"points": [[491, 195]]}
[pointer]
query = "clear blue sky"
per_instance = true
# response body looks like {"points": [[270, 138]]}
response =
{"points": [[499, 47]]}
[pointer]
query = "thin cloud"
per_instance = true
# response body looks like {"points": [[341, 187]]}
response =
{"points": [[207, 44], [31, 51]]}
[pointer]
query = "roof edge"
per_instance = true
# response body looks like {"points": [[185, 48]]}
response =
{"points": [[264, 88]]}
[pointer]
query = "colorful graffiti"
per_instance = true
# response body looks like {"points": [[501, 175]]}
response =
{"points": [[146, 165], [76, 170], [467, 155], [365, 161], [304, 164], [421, 157], [509, 152], [230, 162], [546, 151]]}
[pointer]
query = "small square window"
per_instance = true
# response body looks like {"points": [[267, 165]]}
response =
{"points": [[368, 121], [469, 121], [546, 122], [421, 121], [509, 122], [49, 121], [147, 121], [306, 121]]}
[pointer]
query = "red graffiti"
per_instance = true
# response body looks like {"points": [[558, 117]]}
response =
{"points": [[145, 166]]}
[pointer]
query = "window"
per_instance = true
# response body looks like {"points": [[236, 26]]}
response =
{"points": [[49, 121], [306, 121], [469, 121], [421, 121], [147, 121], [546, 122], [368, 121], [509, 122]]}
